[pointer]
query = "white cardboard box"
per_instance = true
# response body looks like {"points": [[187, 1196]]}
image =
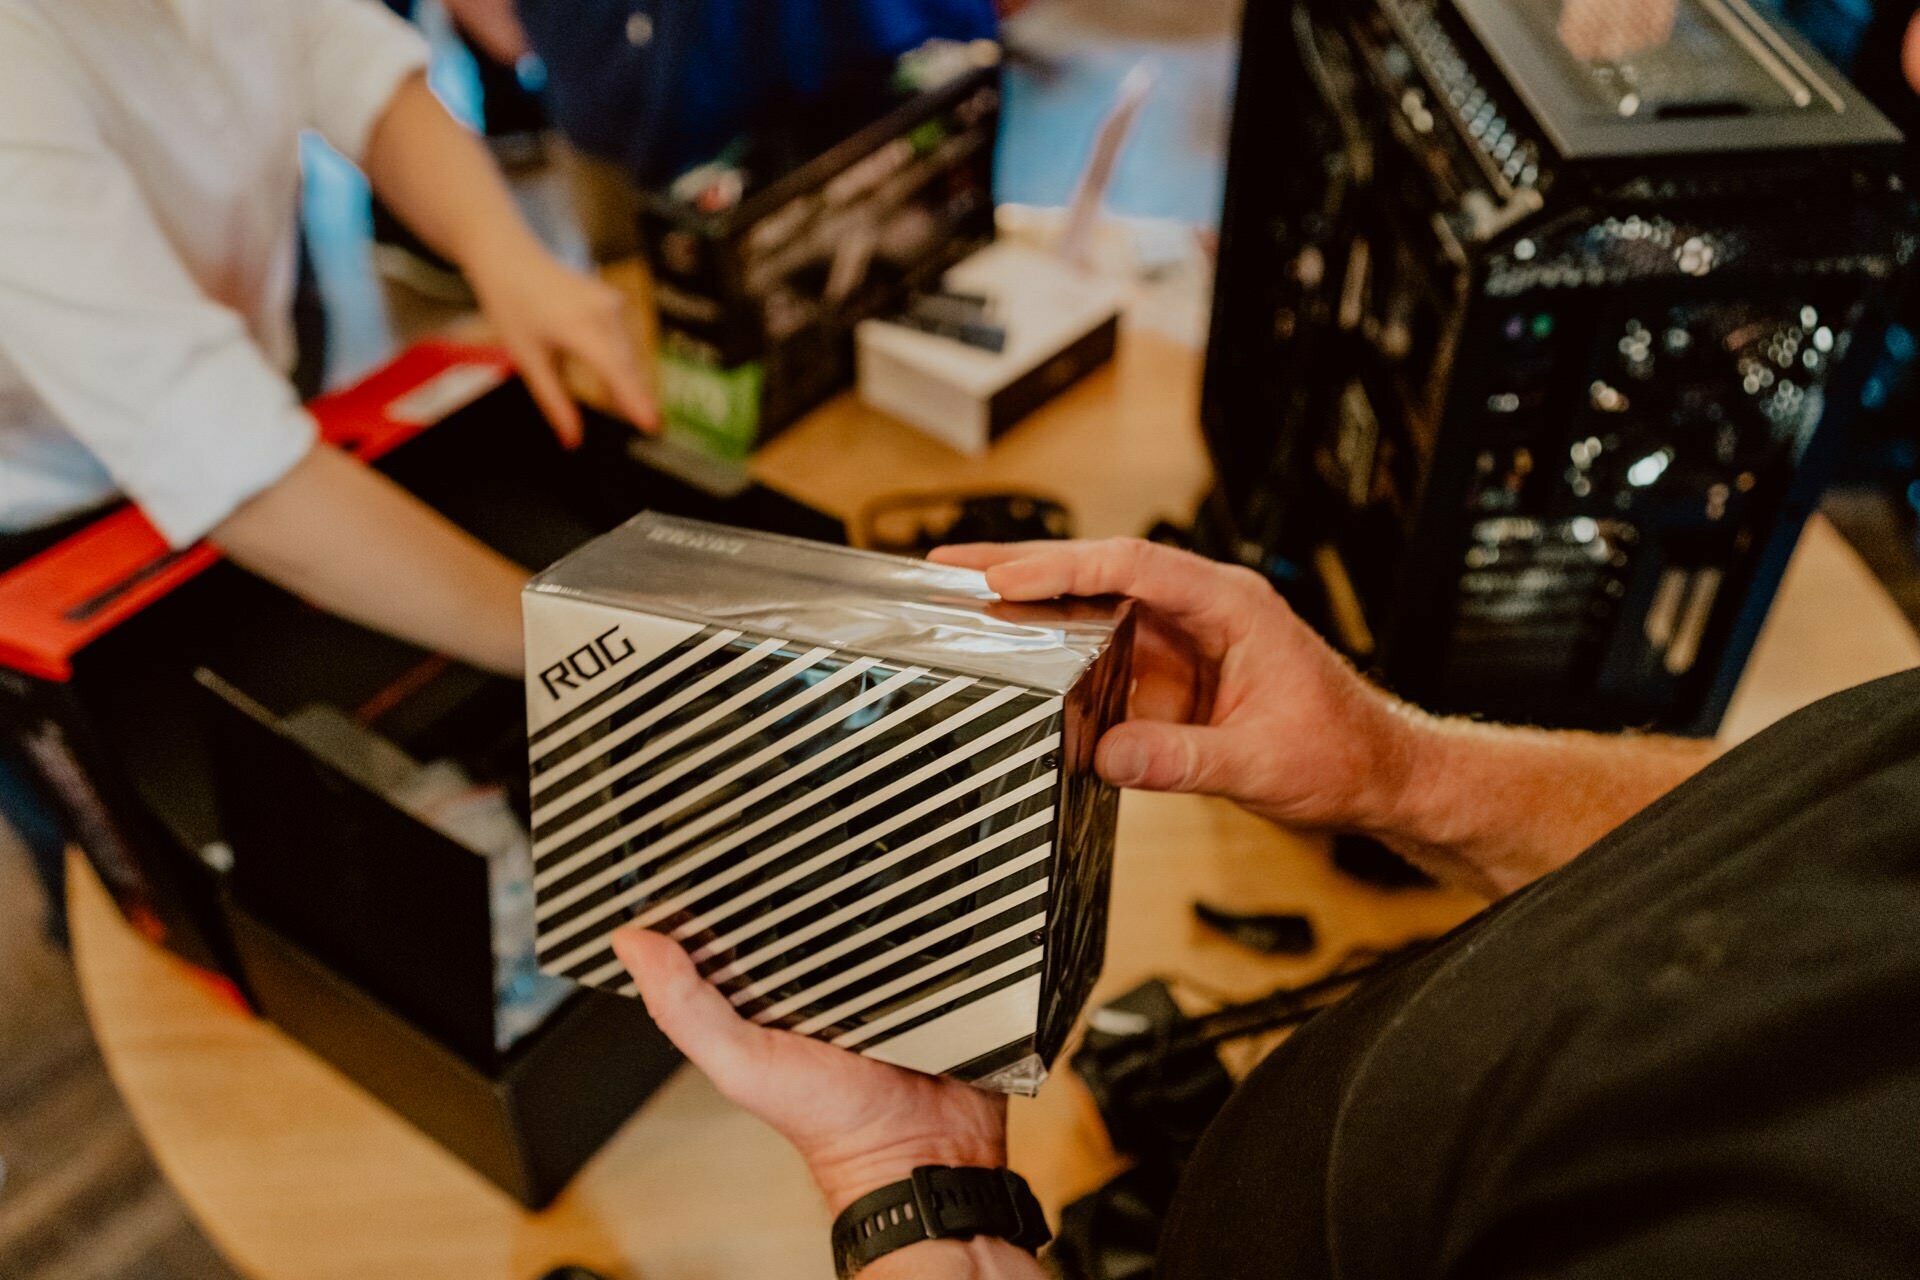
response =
{"points": [[1061, 325], [862, 798]]}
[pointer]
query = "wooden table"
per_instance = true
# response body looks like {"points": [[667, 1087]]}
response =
{"points": [[297, 1175]]}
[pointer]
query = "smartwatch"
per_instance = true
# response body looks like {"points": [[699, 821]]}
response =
{"points": [[938, 1203]]}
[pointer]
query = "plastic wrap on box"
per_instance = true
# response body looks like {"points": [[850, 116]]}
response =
{"points": [[856, 787]]}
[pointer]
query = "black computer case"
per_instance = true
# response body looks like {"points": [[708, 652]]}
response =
{"points": [[1532, 345]]}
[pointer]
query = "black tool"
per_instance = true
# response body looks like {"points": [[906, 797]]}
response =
{"points": [[1155, 1075], [974, 333], [1271, 934], [1372, 863], [915, 523], [1113, 1232]]}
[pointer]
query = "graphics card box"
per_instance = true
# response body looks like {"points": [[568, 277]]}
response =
{"points": [[765, 259], [1060, 323], [858, 788]]}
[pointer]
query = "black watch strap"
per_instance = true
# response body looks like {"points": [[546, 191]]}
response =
{"points": [[938, 1203]]}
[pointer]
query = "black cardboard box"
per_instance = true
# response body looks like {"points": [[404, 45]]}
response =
{"points": [[183, 788], [391, 903], [527, 1123], [763, 263], [100, 636]]}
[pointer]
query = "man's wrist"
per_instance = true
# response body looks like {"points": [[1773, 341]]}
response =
{"points": [[982, 1258], [1410, 812], [1420, 812], [844, 1180], [1406, 759], [976, 1221]]}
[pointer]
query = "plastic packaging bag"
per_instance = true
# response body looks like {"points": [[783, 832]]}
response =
{"points": [[857, 788]]}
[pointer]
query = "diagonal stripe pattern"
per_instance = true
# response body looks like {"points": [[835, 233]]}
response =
{"points": [[850, 848]]}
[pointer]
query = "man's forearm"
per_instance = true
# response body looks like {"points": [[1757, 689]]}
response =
{"points": [[349, 540], [983, 1259], [442, 182], [1496, 808]]}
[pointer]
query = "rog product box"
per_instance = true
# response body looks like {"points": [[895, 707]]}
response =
{"points": [[858, 788], [765, 258]]}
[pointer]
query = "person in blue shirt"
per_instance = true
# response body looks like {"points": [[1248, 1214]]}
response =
{"points": [[655, 86]]}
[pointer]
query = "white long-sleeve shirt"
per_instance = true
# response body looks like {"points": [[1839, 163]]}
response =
{"points": [[149, 189]]}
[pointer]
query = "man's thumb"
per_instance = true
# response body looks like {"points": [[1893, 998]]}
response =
{"points": [[689, 1009], [1149, 756]]}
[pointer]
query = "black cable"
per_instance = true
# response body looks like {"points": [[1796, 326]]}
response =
{"points": [[1286, 1007]]}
